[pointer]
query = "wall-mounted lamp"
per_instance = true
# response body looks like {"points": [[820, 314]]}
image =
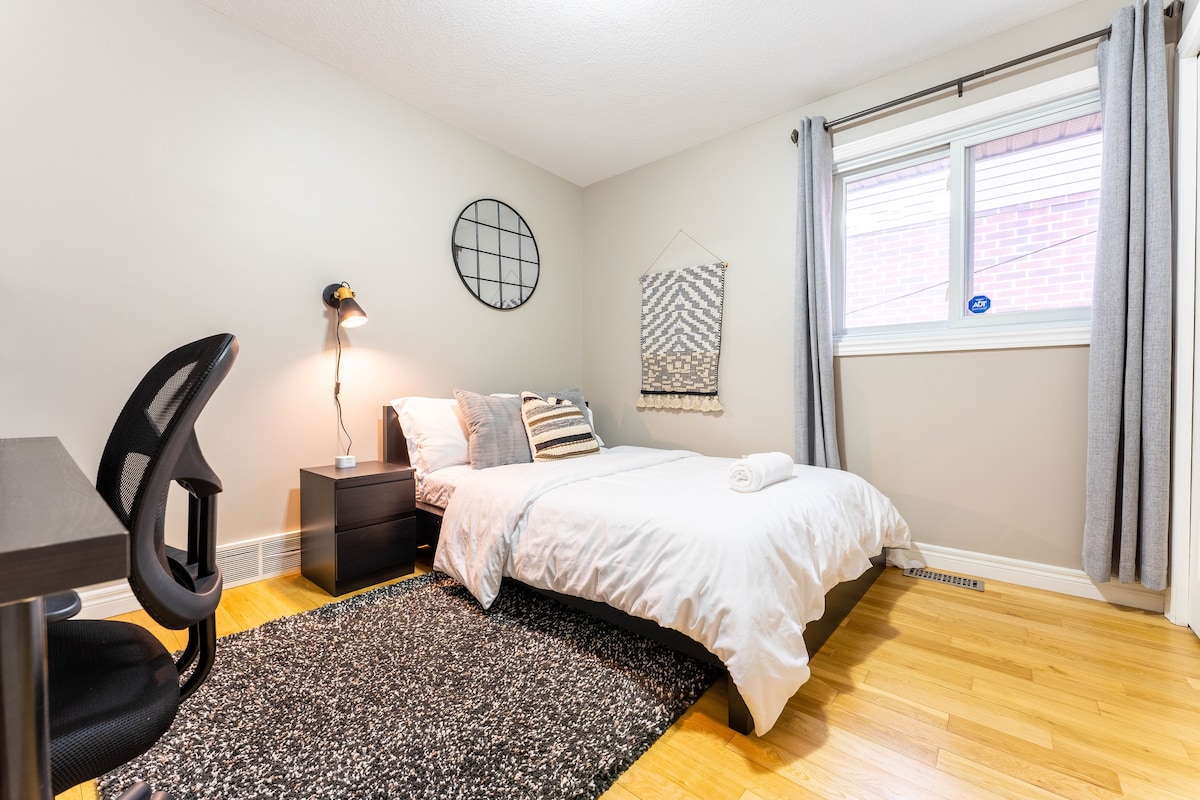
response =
{"points": [[339, 297], [349, 315]]}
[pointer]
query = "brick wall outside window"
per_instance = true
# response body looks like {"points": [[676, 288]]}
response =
{"points": [[1035, 204]]}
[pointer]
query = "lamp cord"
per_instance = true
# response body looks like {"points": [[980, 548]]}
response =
{"points": [[337, 387]]}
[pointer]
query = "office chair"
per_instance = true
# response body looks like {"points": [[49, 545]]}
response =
{"points": [[113, 688]]}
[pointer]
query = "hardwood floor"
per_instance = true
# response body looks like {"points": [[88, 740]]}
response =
{"points": [[926, 691]]}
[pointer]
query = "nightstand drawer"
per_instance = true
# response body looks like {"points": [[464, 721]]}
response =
{"points": [[359, 505], [376, 548]]}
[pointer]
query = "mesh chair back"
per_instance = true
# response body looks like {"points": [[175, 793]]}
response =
{"points": [[152, 444]]}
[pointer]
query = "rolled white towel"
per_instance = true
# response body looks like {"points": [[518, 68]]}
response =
{"points": [[753, 472]]}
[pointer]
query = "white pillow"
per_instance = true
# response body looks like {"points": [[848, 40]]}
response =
{"points": [[587, 410], [435, 432]]}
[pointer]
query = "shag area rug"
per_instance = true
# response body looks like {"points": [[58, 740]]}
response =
{"points": [[413, 691]]}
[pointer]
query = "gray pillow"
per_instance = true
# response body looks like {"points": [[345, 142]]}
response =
{"points": [[495, 433], [576, 397]]}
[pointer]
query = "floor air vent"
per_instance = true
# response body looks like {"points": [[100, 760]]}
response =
{"points": [[941, 577]]}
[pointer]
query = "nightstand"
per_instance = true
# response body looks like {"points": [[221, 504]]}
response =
{"points": [[357, 526]]}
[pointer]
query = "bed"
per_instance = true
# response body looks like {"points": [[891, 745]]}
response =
{"points": [[719, 577]]}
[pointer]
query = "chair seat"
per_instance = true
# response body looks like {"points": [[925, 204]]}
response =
{"points": [[114, 691]]}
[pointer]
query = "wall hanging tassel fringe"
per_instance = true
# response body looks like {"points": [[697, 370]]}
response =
{"points": [[684, 402]]}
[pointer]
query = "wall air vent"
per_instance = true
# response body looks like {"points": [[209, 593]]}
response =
{"points": [[245, 562], [281, 554], [238, 563], [941, 577]]}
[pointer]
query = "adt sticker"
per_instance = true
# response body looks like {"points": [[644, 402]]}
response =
{"points": [[979, 303]]}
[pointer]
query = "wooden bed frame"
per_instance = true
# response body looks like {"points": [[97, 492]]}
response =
{"points": [[839, 601]]}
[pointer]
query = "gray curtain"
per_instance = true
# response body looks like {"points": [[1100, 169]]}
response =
{"points": [[1129, 380], [816, 419]]}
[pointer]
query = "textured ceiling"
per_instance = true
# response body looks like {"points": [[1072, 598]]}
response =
{"points": [[590, 88]]}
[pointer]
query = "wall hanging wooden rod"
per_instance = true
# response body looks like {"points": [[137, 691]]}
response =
{"points": [[1173, 12]]}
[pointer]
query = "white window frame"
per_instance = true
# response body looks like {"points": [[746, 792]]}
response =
{"points": [[1053, 101]]}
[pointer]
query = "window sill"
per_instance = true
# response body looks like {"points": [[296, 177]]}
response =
{"points": [[947, 341]]}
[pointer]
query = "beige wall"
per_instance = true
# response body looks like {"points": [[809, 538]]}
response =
{"points": [[166, 173], [982, 451]]}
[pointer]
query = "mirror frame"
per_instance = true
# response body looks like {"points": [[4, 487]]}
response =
{"points": [[469, 216]]}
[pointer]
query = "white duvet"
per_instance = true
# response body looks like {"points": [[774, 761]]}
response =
{"points": [[660, 535]]}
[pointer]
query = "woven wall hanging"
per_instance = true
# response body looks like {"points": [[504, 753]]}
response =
{"points": [[681, 337]]}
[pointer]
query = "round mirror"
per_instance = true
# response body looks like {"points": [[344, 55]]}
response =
{"points": [[495, 254]]}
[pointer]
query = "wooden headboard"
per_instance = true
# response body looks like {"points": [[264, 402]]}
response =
{"points": [[395, 448], [395, 451]]}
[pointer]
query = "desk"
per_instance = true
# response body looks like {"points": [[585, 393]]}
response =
{"points": [[56, 533]]}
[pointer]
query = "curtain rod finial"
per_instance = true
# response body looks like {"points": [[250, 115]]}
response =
{"points": [[795, 136]]}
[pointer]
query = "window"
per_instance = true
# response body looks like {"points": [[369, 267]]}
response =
{"points": [[897, 245], [984, 228]]}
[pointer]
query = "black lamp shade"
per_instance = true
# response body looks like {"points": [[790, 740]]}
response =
{"points": [[350, 313], [339, 297]]}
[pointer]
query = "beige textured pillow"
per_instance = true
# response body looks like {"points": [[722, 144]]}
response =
{"points": [[556, 428]]}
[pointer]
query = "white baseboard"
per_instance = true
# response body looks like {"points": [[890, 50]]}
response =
{"points": [[107, 600], [1073, 582], [240, 562], [278, 554]]}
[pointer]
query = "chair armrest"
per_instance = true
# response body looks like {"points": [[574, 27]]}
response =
{"points": [[63, 605]]}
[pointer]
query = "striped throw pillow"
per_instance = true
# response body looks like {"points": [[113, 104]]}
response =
{"points": [[556, 427]]}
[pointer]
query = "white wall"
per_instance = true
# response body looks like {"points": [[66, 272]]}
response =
{"points": [[982, 451], [166, 173]]}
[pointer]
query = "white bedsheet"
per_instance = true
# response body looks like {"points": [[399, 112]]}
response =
{"points": [[660, 535]]}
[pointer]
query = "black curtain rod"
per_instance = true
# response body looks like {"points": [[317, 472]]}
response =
{"points": [[1174, 11]]}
